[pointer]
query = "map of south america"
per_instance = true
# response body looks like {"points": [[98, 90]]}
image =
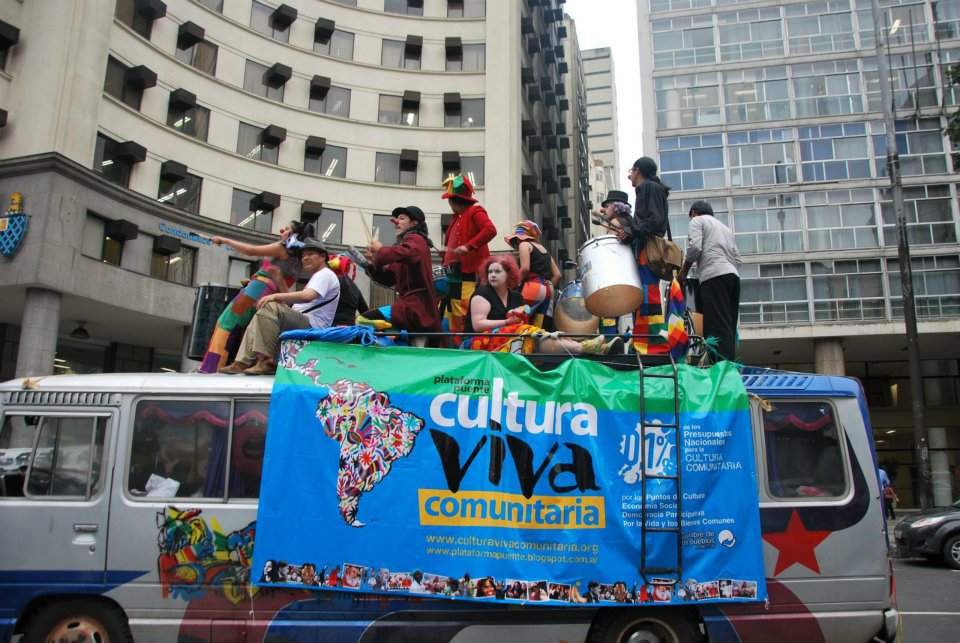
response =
{"points": [[372, 436]]}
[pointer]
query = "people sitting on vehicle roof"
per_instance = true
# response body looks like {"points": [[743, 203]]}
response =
{"points": [[498, 311], [539, 274], [406, 266], [278, 273], [351, 299], [312, 307]]}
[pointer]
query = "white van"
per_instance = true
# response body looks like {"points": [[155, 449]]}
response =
{"points": [[133, 517]]}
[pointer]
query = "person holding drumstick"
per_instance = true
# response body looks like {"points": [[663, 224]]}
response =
{"points": [[279, 271], [406, 266]]}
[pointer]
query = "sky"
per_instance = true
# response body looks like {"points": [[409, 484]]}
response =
{"points": [[613, 23]]}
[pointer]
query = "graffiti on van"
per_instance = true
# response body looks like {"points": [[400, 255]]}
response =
{"points": [[195, 557]]}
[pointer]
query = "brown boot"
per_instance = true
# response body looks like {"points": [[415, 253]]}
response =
{"points": [[235, 368], [263, 367]]}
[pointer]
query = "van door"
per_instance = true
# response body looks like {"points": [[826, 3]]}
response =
{"points": [[55, 502]]}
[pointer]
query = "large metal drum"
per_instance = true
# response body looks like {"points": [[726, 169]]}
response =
{"points": [[611, 280], [210, 301], [570, 315]]}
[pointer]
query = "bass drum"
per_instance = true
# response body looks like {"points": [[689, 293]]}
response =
{"points": [[570, 315], [611, 279], [210, 301]]}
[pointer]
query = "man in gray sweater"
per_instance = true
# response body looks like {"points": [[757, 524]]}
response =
{"points": [[711, 246]]}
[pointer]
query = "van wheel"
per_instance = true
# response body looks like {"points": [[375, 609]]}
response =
{"points": [[951, 551], [80, 620], [645, 626]]}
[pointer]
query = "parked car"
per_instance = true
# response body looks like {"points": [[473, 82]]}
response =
{"points": [[932, 533]]}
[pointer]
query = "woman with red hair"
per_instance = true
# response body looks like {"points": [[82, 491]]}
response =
{"points": [[498, 311]]}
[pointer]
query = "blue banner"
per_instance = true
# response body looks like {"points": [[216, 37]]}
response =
{"points": [[475, 476]]}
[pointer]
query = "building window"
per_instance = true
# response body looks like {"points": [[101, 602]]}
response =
{"points": [[946, 17], [106, 162], [254, 81], [683, 41], [409, 7], [919, 144], [116, 84], [927, 212], [202, 56], [841, 219], [97, 245], [687, 101], [767, 223], [467, 58], [242, 215], [834, 152], [761, 157], [913, 80], [126, 12], [755, 95], [804, 451], [331, 162], [176, 268], [250, 145], [192, 121], [396, 54], [261, 19], [336, 102], [216, 5], [396, 111], [338, 45], [936, 285], [239, 270], [330, 225], [466, 8], [849, 290], [183, 193], [751, 34], [383, 229], [470, 112], [827, 88], [773, 294], [472, 168], [819, 27], [692, 162], [391, 170]]}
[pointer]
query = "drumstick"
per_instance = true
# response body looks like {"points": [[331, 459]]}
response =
{"points": [[366, 228], [603, 224]]}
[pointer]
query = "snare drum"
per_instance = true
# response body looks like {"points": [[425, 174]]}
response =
{"points": [[611, 279], [571, 315]]}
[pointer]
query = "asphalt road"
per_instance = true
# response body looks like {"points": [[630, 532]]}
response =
{"points": [[928, 596]]}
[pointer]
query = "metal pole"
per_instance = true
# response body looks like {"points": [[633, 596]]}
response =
{"points": [[906, 271]]}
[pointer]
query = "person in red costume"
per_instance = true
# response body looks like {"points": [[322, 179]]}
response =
{"points": [[465, 248]]}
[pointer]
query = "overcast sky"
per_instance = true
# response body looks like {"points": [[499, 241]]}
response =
{"points": [[613, 23]]}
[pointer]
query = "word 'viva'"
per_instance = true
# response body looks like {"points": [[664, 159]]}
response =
{"points": [[514, 414]]}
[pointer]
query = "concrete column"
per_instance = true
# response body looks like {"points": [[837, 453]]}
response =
{"points": [[38, 332], [940, 467], [828, 356]]}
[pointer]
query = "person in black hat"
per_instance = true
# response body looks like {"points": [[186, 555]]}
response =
{"points": [[407, 267], [712, 246], [312, 307], [616, 210]]}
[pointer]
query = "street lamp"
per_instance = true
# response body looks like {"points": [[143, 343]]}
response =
{"points": [[906, 270]]}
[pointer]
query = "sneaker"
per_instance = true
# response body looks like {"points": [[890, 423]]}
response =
{"points": [[593, 346], [263, 367], [376, 324], [235, 368]]}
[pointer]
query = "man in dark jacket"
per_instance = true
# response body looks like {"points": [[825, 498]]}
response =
{"points": [[406, 266]]}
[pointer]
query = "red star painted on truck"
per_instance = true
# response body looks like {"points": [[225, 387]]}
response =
{"points": [[796, 545]]}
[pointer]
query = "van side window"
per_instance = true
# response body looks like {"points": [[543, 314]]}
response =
{"points": [[66, 462], [246, 451], [179, 449], [803, 451]]}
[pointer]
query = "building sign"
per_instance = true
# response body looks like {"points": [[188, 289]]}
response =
{"points": [[473, 475], [184, 234]]}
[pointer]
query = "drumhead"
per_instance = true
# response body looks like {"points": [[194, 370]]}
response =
{"points": [[571, 315]]}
